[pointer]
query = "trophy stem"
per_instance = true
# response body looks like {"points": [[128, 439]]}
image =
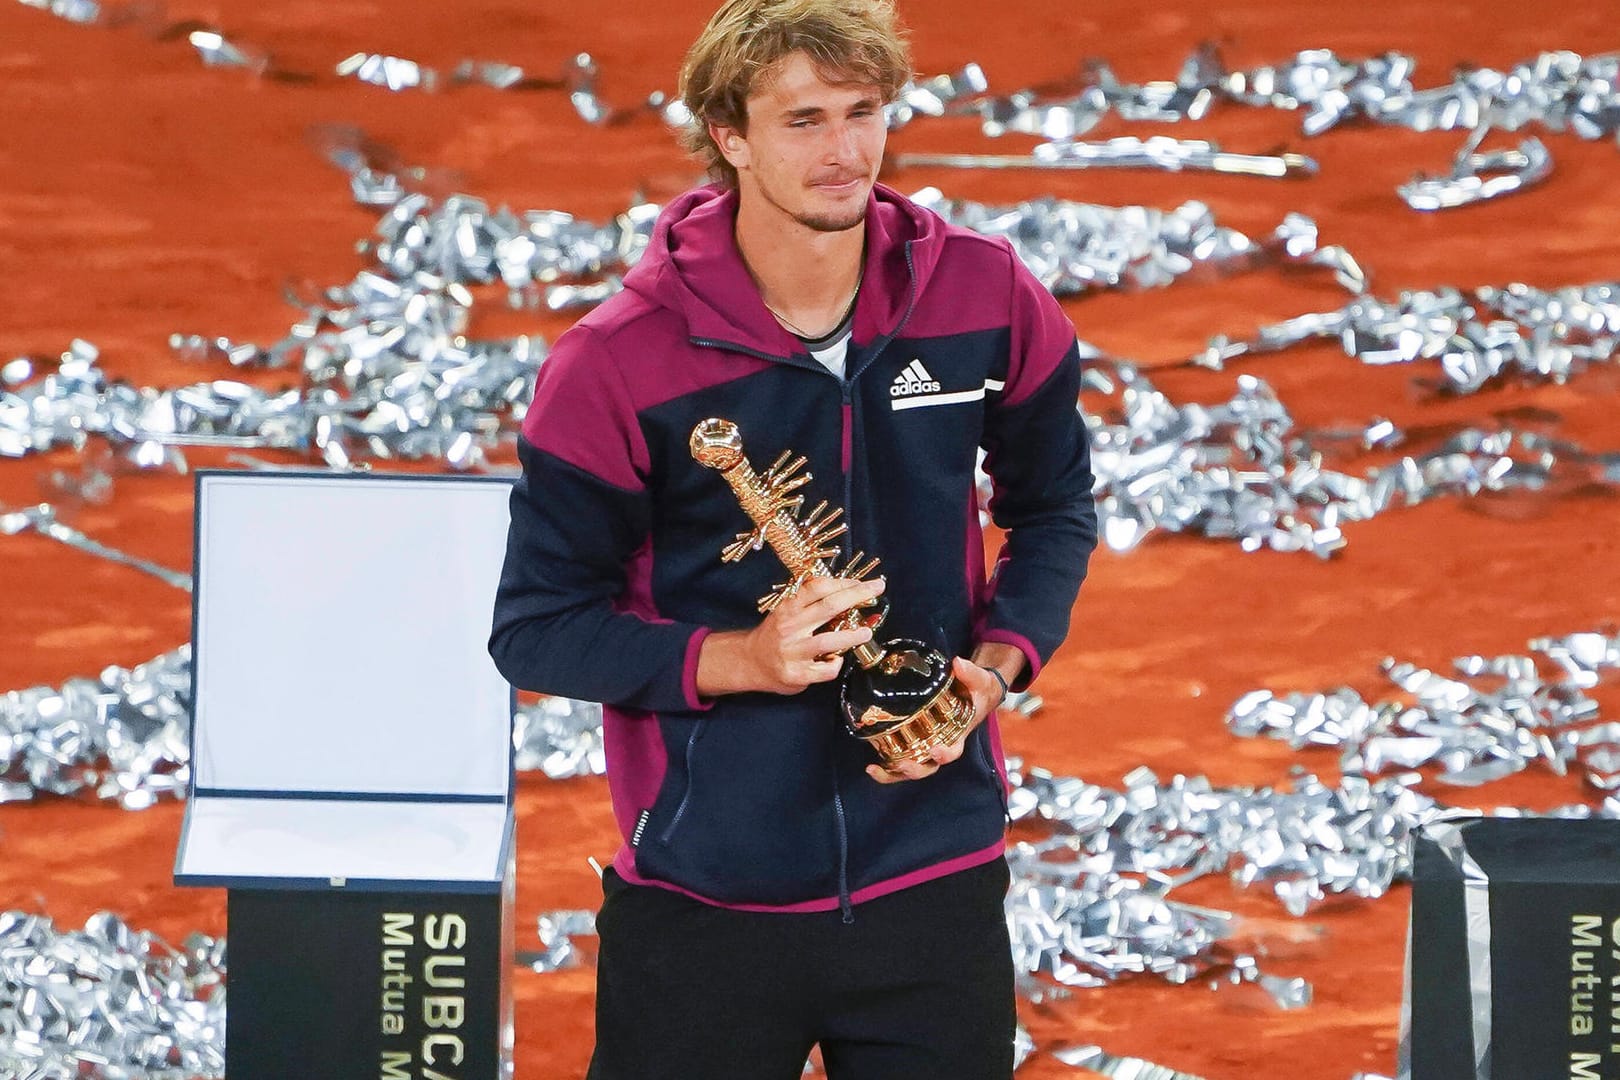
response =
{"points": [[805, 545], [869, 655], [781, 529]]}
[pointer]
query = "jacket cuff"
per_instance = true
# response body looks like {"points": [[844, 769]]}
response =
{"points": [[694, 646], [1032, 659]]}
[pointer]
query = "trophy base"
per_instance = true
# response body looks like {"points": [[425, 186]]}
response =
{"points": [[943, 720]]}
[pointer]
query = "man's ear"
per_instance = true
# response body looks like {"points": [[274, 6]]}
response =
{"points": [[733, 146]]}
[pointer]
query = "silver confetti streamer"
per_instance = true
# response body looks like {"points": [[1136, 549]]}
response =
{"points": [[1495, 716], [1558, 91], [84, 12], [558, 949], [42, 519], [1307, 842], [108, 1002], [1478, 339], [1126, 152], [1241, 471], [1477, 177], [580, 77], [490, 73], [197, 347], [122, 737], [64, 407], [1074, 247], [215, 50], [935, 96], [1023, 1046], [1096, 1060], [387, 373], [560, 737], [390, 72]]}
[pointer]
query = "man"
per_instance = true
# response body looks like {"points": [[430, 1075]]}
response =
{"points": [[777, 888]]}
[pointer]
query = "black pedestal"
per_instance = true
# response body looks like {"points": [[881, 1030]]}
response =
{"points": [[1515, 951], [338, 985]]}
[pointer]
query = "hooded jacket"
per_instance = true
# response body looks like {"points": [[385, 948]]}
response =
{"points": [[613, 574]]}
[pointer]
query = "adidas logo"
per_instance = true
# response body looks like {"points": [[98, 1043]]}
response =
{"points": [[913, 380]]}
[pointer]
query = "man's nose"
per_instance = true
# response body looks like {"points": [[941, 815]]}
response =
{"points": [[841, 142]]}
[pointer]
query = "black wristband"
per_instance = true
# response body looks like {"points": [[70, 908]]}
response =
{"points": [[1005, 689]]}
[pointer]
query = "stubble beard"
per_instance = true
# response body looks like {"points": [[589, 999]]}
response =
{"points": [[854, 217], [824, 224]]}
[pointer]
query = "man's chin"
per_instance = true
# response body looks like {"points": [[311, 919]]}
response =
{"points": [[832, 223]]}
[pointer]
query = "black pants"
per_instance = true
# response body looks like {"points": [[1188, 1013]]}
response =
{"points": [[919, 985]]}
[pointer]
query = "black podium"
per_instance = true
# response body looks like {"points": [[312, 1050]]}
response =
{"points": [[352, 773], [1513, 969]]}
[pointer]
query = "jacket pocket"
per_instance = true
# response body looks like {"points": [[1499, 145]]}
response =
{"points": [[751, 820], [686, 791]]}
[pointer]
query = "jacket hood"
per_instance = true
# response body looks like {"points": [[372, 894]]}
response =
{"points": [[692, 266]]}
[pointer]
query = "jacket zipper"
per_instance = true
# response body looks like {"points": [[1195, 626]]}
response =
{"points": [[849, 383], [686, 795], [845, 903]]}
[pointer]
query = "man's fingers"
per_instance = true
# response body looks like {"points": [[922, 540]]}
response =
{"points": [[905, 770], [974, 677], [982, 685], [828, 603], [882, 777], [819, 671], [916, 770], [813, 589], [838, 641]]}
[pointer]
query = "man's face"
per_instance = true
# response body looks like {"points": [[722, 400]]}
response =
{"points": [[812, 148]]}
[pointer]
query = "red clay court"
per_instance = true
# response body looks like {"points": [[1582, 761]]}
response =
{"points": [[144, 194]]}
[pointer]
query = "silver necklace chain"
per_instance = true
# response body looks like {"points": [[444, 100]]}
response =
{"points": [[843, 309]]}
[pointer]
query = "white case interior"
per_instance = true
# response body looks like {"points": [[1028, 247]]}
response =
{"points": [[324, 839], [340, 652]]}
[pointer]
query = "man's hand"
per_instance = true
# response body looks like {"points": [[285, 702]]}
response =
{"points": [[785, 653], [986, 693]]}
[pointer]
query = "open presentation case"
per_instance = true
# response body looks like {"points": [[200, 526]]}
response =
{"points": [[351, 779]]}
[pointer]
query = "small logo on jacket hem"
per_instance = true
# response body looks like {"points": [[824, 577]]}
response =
{"points": [[915, 379]]}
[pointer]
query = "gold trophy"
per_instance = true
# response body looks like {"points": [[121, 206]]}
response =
{"points": [[900, 697]]}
